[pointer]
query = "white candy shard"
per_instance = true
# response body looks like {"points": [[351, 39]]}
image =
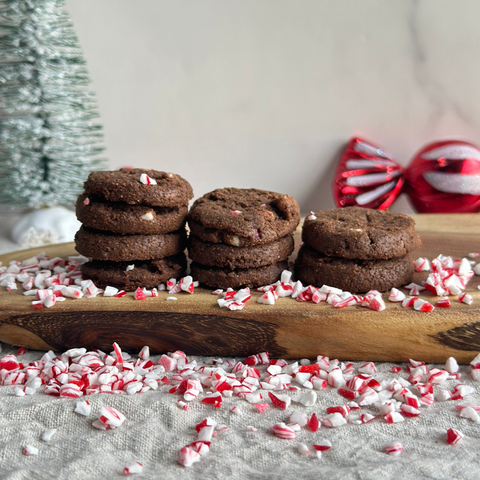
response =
{"points": [[451, 365], [110, 291], [48, 434], [83, 407], [299, 418], [30, 450], [133, 468], [303, 449], [309, 399]]}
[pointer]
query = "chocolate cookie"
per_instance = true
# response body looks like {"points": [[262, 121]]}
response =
{"points": [[221, 255], [124, 185], [242, 277], [148, 274], [119, 248], [122, 218], [243, 217], [355, 276], [360, 233]]}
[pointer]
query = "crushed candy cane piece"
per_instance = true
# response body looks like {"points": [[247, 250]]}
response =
{"points": [[396, 295], [283, 431], [282, 401], [48, 434], [453, 436], [443, 302], [187, 456], [303, 449], [133, 468], [466, 298], [111, 417], [83, 407], [394, 448], [30, 450], [146, 180]]}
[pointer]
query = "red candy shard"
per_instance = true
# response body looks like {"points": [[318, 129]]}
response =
{"points": [[261, 406], [367, 177], [313, 423], [139, 295], [9, 362], [282, 401], [453, 436], [309, 368]]}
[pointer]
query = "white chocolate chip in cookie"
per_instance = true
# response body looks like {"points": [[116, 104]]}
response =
{"points": [[148, 216]]}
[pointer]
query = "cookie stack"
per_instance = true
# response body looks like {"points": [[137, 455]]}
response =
{"points": [[241, 237], [133, 227], [357, 249]]}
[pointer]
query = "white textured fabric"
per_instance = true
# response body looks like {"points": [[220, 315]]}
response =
{"points": [[156, 428]]}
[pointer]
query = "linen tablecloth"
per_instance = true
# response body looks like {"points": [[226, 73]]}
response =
{"points": [[156, 428]]}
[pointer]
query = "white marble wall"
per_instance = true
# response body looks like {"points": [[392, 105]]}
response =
{"points": [[264, 93]]}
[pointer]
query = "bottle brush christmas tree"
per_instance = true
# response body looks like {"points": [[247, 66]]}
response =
{"points": [[49, 138]]}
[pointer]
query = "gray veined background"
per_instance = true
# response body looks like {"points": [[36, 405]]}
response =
{"points": [[265, 93]]}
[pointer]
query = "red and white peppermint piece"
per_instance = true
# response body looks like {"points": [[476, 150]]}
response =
{"points": [[322, 445], [314, 423], [453, 436], [282, 401], [394, 417], [146, 180], [187, 456], [111, 417], [436, 376], [9, 362], [394, 448], [466, 298], [443, 302], [30, 450], [139, 294], [377, 304], [333, 420], [409, 410], [396, 295], [50, 301], [267, 298], [368, 368], [283, 431], [421, 264], [133, 468], [83, 407], [422, 305]]}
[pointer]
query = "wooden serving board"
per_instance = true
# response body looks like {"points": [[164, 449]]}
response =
{"points": [[288, 329]]}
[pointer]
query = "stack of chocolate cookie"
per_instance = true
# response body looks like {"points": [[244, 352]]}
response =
{"points": [[133, 227], [357, 249], [241, 237]]}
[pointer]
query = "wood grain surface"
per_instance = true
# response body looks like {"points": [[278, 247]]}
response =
{"points": [[288, 329]]}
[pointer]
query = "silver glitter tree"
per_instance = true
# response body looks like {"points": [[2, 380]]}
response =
{"points": [[49, 138]]}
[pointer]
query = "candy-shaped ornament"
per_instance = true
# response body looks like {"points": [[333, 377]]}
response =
{"points": [[367, 177], [444, 177]]}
